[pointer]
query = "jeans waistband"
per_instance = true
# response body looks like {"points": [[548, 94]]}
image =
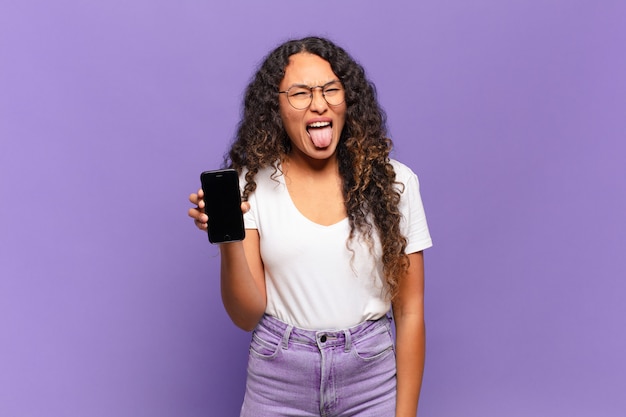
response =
{"points": [[327, 338]]}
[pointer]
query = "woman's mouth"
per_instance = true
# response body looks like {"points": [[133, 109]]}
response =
{"points": [[321, 133]]}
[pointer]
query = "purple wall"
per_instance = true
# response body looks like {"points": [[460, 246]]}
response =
{"points": [[513, 114]]}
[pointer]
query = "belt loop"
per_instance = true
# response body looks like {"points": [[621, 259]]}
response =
{"points": [[286, 335], [348, 345]]}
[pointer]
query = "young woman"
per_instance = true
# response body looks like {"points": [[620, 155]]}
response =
{"points": [[335, 231]]}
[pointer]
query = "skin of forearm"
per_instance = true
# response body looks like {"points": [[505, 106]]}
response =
{"points": [[243, 300], [410, 355]]}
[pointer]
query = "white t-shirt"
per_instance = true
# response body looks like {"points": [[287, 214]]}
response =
{"points": [[315, 278]]}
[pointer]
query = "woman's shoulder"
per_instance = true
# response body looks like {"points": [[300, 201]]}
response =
{"points": [[267, 176], [403, 172], [264, 171]]}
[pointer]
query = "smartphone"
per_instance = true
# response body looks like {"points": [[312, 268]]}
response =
{"points": [[222, 203]]}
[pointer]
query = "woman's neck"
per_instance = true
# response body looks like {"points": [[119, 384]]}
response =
{"points": [[295, 162]]}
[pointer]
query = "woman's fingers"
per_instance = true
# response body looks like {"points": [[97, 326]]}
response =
{"points": [[200, 219], [200, 225], [197, 198]]}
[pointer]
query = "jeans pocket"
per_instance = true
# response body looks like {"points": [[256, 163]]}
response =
{"points": [[264, 344], [373, 346]]}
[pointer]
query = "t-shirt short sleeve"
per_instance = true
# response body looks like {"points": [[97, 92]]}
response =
{"points": [[413, 224], [249, 217]]}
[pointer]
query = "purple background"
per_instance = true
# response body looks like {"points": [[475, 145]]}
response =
{"points": [[511, 112]]}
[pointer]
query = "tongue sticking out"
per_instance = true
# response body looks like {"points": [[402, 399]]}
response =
{"points": [[321, 136]]}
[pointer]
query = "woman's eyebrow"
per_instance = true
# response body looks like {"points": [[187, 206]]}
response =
{"points": [[312, 86]]}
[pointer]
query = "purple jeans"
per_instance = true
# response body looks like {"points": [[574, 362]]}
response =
{"points": [[304, 373]]}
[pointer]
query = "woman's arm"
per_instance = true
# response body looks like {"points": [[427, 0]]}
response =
{"points": [[242, 274], [243, 281], [408, 312]]}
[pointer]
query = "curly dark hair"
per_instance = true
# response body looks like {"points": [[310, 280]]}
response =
{"points": [[369, 186]]}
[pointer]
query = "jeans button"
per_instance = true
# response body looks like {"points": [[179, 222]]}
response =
{"points": [[323, 339]]}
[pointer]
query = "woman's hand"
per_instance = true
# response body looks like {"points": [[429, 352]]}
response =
{"points": [[197, 213], [200, 219]]}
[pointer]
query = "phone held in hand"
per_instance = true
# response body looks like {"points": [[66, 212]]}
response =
{"points": [[222, 203]]}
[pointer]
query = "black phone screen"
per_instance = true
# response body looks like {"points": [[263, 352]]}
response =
{"points": [[222, 201]]}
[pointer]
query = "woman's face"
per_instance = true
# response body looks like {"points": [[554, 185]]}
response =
{"points": [[314, 131]]}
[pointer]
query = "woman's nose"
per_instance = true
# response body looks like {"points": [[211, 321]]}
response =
{"points": [[318, 102]]}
